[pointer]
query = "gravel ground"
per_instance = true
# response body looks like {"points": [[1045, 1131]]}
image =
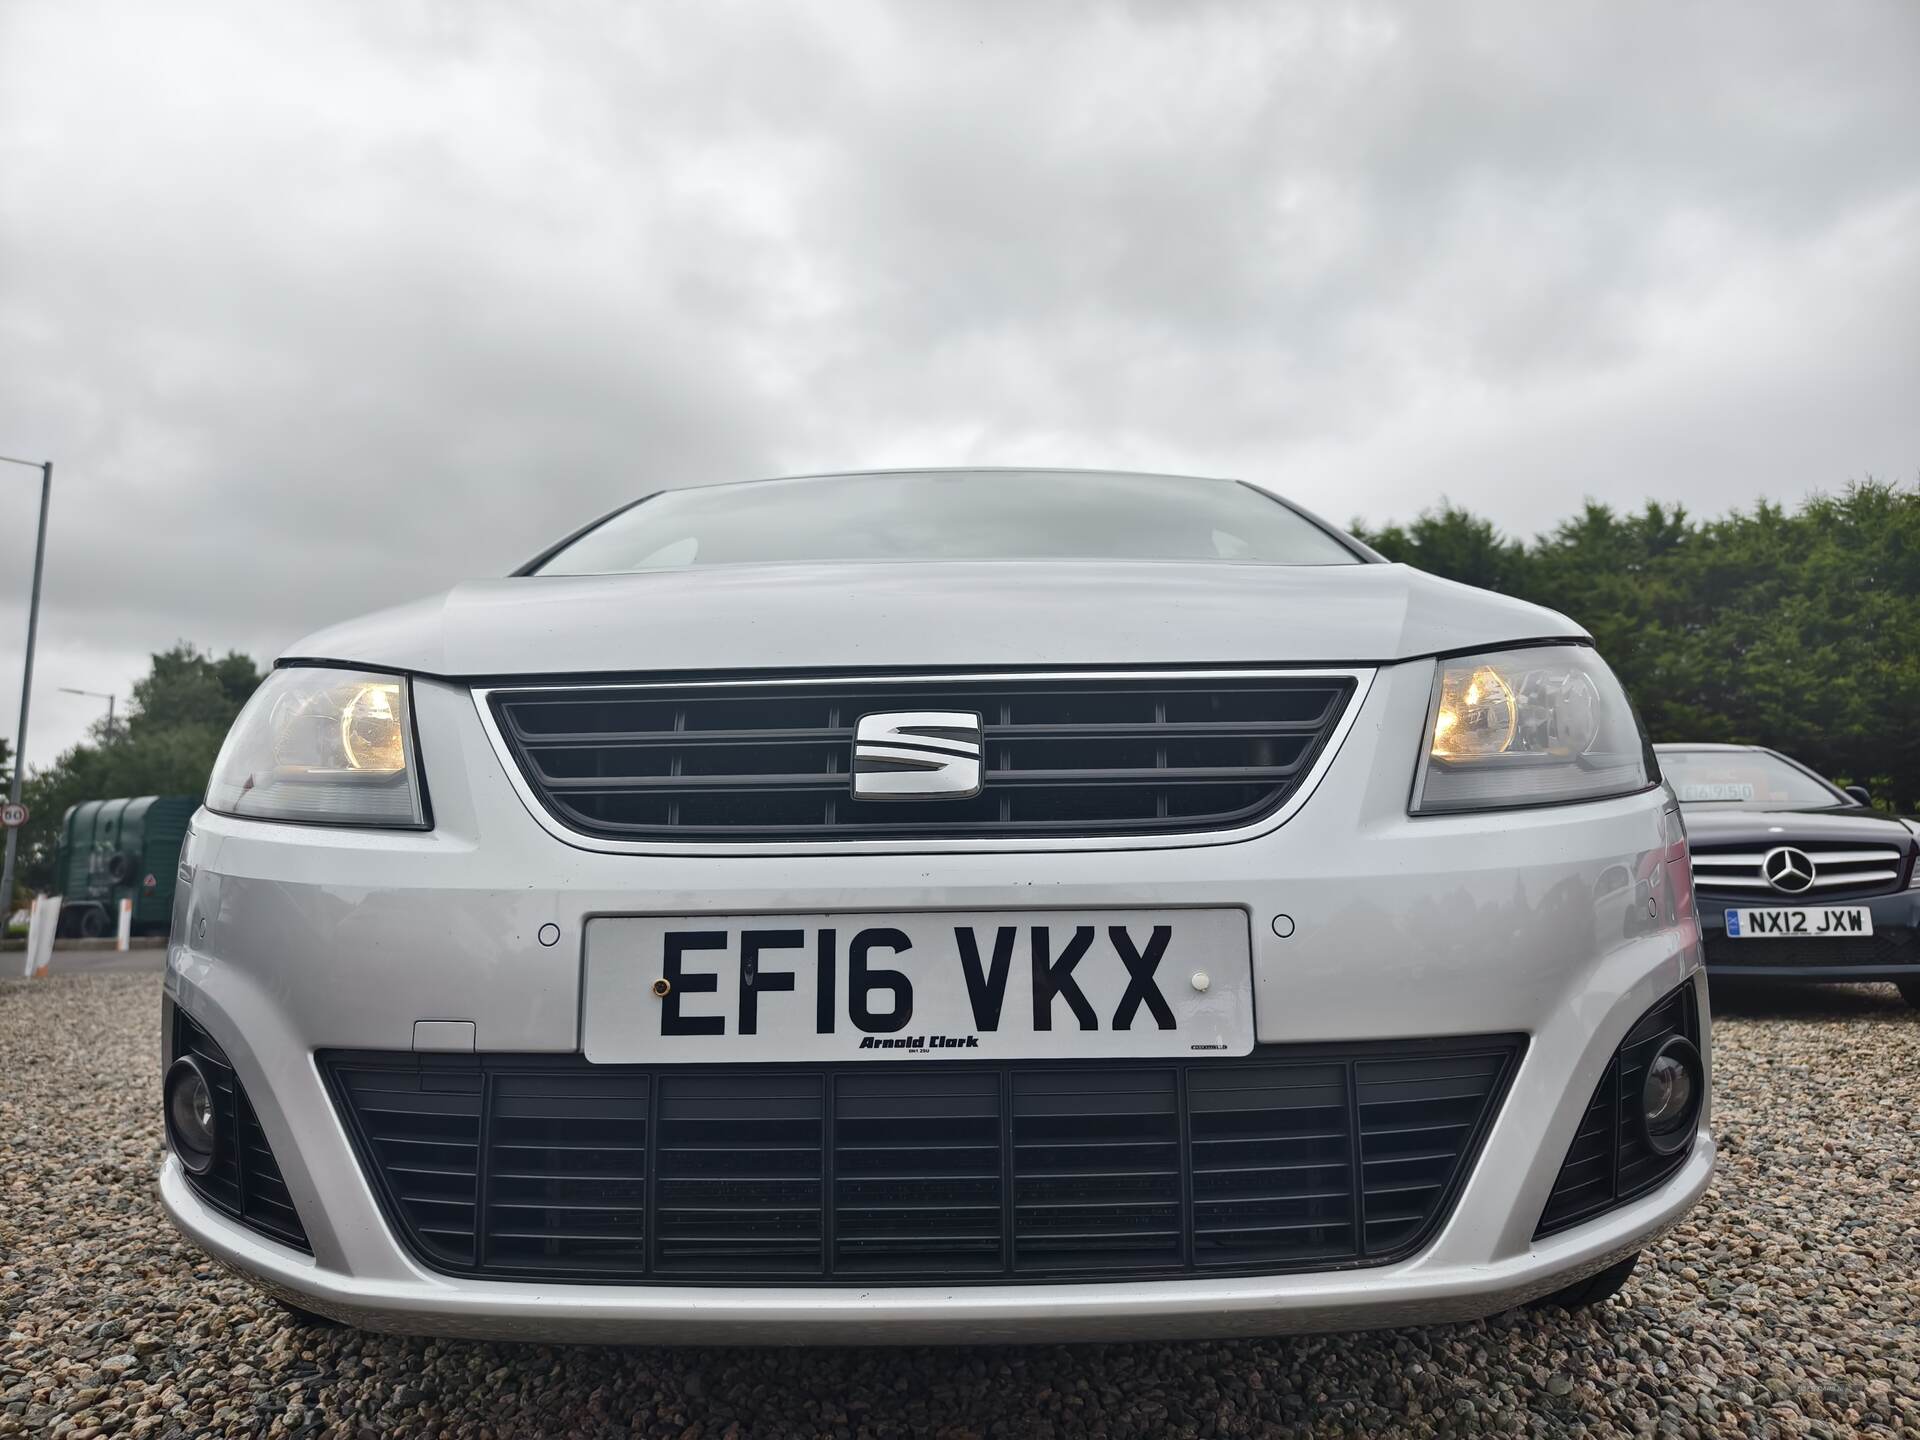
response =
{"points": [[1786, 1304]]}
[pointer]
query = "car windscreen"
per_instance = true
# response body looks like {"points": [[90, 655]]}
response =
{"points": [[978, 515], [1745, 777]]}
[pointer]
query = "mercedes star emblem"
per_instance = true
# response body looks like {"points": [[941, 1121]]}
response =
{"points": [[1787, 869]]}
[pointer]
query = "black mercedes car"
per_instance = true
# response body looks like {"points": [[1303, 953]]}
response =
{"points": [[1796, 878]]}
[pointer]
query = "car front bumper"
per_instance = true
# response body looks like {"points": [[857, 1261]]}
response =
{"points": [[1892, 952], [1564, 924], [1411, 1294]]}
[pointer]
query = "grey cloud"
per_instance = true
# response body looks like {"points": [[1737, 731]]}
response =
{"points": [[322, 308]]}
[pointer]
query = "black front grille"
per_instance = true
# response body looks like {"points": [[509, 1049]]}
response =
{"points": [[1298, 1158], [1888, 945], [767, 761], [1609, 1163], [244, 1179]]}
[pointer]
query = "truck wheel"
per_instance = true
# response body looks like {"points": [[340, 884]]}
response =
{"points": [[1592, 1290], [93, 923]]}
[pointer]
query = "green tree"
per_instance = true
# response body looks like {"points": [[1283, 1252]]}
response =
{"points": [[186, 690], [166, 745]]}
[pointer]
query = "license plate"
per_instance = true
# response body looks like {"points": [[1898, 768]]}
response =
{"points": [[927, 985], [1844, 922]]}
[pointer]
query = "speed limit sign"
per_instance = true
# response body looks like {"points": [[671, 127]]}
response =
{"points": [[13, 815]]}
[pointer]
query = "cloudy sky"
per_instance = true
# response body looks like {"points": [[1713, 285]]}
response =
{"points": [[321, 307]]}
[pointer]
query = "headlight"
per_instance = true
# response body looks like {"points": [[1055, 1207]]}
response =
{"points": [[1529, 727], [329, 747]]}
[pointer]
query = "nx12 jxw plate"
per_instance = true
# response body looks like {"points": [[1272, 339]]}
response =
{"points": [[941, 985], [1828, 922]]}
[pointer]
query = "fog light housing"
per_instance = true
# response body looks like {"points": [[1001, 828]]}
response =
{"points": [[192, 1128], [1670, 1097]]}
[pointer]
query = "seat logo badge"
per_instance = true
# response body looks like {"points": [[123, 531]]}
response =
{"points": [[1787, 869], [917, 755]]}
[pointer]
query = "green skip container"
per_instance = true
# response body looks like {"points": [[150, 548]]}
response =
{"points": [[112, 850]]}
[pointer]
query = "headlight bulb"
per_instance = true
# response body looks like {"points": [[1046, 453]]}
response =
{"points": [[370, 733], [1477, 714]]}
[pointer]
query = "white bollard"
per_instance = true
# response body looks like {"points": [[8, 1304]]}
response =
{"points": [[41, 925], [124, 941], [50, 932], [33, 936]]}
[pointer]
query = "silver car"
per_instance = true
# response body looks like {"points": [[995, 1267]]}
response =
{"points": [[937, 906]]}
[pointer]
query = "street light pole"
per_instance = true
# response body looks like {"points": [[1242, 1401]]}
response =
{"points": [[95, 695], [45, 467]]}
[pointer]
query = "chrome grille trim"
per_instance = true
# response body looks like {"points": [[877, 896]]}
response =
{"points": [[1357, 680], [1838, 865], [1754, 882], [1882, 855]]}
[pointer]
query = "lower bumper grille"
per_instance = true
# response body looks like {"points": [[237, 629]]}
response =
{"points": [[1888, 945], [1298, 1158], [244, 1179], [1609, 1162]]}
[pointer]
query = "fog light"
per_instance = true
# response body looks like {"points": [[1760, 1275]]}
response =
{"points": [[191, 1127], [1670, 1097]]}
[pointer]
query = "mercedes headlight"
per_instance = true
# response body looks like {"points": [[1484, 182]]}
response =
{"points": [[1537, 726], [328, 747]]}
